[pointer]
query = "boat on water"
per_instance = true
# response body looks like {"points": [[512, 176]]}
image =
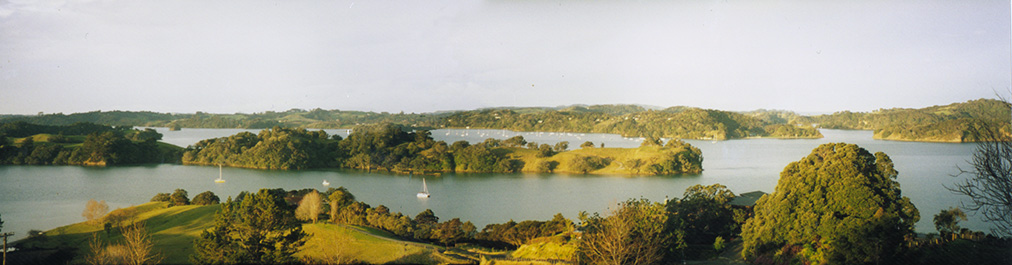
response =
{"points": [[219, 180], [326, 183], [425, 190]]}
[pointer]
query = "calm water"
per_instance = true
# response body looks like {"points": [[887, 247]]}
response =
{"points": [[45, 197]]}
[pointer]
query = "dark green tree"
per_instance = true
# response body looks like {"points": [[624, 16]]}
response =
{"points": [[205, 198], [179, 198], [260, 229], [840, 205], [703, 214]]}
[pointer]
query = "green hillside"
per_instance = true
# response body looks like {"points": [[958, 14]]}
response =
{"points": [[173, 230], [948, 123]]}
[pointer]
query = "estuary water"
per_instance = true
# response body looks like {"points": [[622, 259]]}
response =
{"points": [[46, 197]]}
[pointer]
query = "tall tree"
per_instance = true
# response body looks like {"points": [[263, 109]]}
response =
{"points": [[309, 207], [260, 229], [841, 204]]}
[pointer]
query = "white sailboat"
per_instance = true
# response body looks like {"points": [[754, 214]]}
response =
{"points": [[425, 190], [219, 180], [326, 183]]}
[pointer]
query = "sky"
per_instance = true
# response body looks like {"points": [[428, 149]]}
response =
{"points": [[229, 56]]}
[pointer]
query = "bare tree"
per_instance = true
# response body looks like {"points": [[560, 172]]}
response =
{"points": [[94, 210], [309, 207], [139, 246], [989, 182], [97, 255]]}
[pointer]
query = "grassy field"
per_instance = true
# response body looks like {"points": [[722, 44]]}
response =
{"points": [[331, 243], [617, 156], [173, 230]]}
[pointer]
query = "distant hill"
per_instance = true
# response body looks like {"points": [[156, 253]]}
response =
{"points": [[947, 123]]}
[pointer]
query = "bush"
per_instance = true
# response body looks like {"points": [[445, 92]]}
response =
{"points": [[545, 166], [586, 164], [161, 197], [205, 198]]}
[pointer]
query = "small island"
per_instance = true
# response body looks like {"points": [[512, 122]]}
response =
{"points": [[395, 148]]}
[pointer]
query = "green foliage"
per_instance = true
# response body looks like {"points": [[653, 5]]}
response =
{"points": [[561, 146], [103, 145], [205, 198], [179, 198], [586, 164], [515, 234], [947, 221], [840, 204], [949, 123], [679, 157], [676, 122], [703, 214], [719, 244], [260, 229], [278, 148], [161, 197]]}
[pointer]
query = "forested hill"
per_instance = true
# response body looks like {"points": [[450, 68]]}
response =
{"points": [[948, 123], [674, 122], [627, 120]]}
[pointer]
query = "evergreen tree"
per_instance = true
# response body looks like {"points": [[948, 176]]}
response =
{"points": [[838, 205], [260, 229]]}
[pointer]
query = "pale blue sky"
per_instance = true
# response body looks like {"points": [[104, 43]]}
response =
{"points": [[420, 56]]}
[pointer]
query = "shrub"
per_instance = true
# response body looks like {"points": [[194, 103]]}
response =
{"points": [[205, 198]]}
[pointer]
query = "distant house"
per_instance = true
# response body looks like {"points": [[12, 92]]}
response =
{"points": [[746, 200]]}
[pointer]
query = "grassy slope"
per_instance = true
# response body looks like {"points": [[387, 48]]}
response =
{"points": [[330, 241], [618, 157], [174, 229]]}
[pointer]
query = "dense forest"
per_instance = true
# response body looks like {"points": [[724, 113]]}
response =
{"points": [[398, 148], [950, 123], [82, 144]]}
